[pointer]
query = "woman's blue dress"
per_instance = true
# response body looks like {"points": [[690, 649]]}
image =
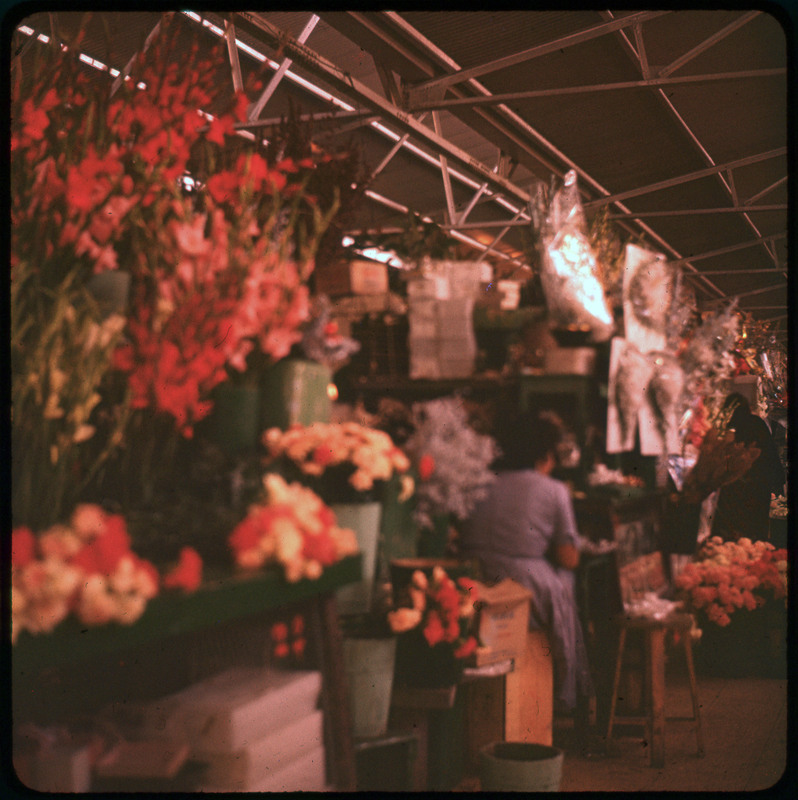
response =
{"points": [[511, 532]]}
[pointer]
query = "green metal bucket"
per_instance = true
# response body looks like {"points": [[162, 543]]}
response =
{"points": [[520, 767], [369, 665]]}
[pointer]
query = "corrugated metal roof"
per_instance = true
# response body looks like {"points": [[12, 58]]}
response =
{"points": [[658, 142]]}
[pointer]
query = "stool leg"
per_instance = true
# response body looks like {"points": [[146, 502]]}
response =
{"points": [[656, 692], [688, 654], [615, 681]]}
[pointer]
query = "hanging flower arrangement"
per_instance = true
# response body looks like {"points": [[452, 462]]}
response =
{"points": [[293, 528]]}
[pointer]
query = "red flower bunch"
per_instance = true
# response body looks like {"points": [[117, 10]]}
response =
{"points": [[97, 184], [442, 609], [727, 576], [87, 568]]}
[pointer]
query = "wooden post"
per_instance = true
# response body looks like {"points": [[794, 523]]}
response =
{"points": [[335, 694]]}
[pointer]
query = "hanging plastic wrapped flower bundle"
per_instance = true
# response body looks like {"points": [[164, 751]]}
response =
{"points": [[569, 268]]}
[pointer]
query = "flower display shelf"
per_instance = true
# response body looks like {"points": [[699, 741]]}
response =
{"points": [[221, 599]]}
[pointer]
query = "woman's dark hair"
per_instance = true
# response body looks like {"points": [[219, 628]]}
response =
{"points": [[525, 439]]}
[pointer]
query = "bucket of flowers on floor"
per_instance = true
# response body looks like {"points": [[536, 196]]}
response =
{"points": [[738, 594]]}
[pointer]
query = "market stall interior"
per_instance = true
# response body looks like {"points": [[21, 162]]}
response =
{"points": [[280, 281]]}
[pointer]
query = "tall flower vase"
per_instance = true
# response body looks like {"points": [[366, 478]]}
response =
{"points": [[234, 422], [369, 665], [364, 519]]}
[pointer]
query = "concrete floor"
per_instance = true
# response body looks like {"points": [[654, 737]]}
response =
{"points": [[745, 738]]}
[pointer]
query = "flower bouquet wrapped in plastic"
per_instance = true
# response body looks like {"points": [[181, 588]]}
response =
{"points": [[569, 270]]}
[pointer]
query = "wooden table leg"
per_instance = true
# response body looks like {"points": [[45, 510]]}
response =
{"points": [[335, 693], [655, 658]]}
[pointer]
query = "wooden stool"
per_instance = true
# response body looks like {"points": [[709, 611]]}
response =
{"points": [[654, 631]]}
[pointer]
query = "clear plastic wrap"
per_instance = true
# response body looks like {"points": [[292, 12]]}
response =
{"points": [[569, 270]]}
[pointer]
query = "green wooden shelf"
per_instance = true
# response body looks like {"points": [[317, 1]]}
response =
{"points": [[221, 599]]}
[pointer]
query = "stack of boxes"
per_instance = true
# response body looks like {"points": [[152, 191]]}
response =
{"points": [[441, 335], [254, 729]]}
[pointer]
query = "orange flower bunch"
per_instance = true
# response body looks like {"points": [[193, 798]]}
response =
{"points": [[339, 459], [87, 568], [727, 576], [442, 609], [291, 527]]}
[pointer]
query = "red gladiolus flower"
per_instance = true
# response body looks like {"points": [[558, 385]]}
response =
{"points": [[23, 547], [187, 575], [298, 625]]}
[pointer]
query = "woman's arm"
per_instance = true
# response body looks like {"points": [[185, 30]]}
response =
{"points": [[564, 549], [566, 555]]}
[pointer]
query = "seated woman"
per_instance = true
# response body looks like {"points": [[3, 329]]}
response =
{"points": [[526, 530]]}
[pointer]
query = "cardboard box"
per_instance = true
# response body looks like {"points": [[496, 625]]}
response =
{"points": [[240, 705], [260, 759], [503, 621], [352, 277], [304, 774], [570, 361]]}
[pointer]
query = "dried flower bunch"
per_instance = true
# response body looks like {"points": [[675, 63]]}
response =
{"points": [[338, 460], [442, 609], [727, 576], [453, 460], [87, 568], [293, 528], [721, 460]]}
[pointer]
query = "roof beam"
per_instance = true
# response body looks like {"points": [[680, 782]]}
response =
{"points": [[722, 251], [671, 108], [767, 190], [232, 54], [530, 94], [549, 47], [343, 82], [762, 290], [527, 131], [147, 42], [707, 43], [690, 176], [447, 182], [686, 212], [257, 107], [492, 246]]}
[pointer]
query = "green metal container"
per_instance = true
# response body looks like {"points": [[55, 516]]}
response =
{"points": [[520, 767], [294, 391]]}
